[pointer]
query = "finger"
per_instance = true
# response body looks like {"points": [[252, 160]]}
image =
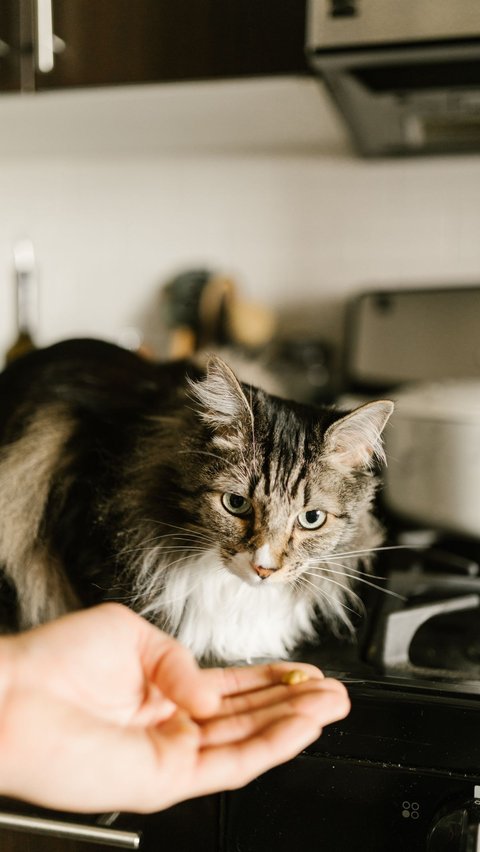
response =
{"points": [[247, 701], [173, 670], [230, 766], [321, 702], [236, 680]]}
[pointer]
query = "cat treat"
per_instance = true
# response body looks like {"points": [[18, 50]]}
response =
{"points": [[295, 676]]}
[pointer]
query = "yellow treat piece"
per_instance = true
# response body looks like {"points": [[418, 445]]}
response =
{"points": [[295, 676]]}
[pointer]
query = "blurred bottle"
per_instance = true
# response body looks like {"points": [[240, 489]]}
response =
{"points": [[26, 300]]}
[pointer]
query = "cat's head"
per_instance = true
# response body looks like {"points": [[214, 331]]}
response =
{"points": [[281, 486]]}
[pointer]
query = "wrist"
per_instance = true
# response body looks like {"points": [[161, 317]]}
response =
{"points": [[7, 678]]}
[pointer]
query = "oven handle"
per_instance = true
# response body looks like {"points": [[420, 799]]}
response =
{"points": [[75, 831]]}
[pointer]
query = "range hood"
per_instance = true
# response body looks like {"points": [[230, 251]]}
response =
{"points": [[405, 74]]}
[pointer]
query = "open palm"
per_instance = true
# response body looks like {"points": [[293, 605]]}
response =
{"points": [[102, 711]]}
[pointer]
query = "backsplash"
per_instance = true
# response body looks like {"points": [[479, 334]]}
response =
{"points": [[298, 232]]}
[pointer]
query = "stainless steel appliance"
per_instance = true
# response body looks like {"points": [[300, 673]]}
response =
{"points": [[412, 335], [405, 75]]}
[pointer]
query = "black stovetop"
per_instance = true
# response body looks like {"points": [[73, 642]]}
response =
{"points": [[420, 626]]}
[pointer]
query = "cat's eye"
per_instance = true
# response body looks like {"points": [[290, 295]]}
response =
{"points": [[312, 519], [236, 504]]}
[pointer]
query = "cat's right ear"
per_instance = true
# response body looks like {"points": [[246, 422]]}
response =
{"points": [[222, 400]]}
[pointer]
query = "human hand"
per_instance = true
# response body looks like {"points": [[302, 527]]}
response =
{"points": [[101, 711]]}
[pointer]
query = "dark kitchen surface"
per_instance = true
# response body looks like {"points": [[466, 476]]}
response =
{"points": [[402, 771]]}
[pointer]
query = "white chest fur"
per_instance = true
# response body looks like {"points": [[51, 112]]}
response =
{"points": [[216, 614]]}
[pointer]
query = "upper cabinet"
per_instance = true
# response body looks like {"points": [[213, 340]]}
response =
{"points": [[55, 44], [10, 42]]}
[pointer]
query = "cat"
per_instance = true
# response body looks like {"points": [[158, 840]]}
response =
{"points": [[223, 514]]}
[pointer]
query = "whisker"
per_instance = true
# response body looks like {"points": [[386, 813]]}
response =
{"points": [[315, 564], [369, 550], [168, 601], [177, 561], [295, 584], [148, 544], [360, 580], [178, 542], [187, 545], [181, 535], [155, 589], [189, 551], [347, 589], [176, 527], [350, 592], [336, 600], [183, 548]]}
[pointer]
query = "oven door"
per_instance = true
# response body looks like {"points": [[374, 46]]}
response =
{"points": [[401, 772], [344, 805]]}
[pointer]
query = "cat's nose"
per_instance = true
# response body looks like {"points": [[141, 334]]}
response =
{"points": [[263, 561], [262, 572]]}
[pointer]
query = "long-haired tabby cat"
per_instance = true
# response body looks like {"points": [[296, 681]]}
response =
{"points": [[222, 513]]}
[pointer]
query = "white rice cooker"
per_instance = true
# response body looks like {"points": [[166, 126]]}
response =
{"points": [[432, 444]]}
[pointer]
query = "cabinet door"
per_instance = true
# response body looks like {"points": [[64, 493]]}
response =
{"points": [[17, 67], [105, 42], [9, 45]]}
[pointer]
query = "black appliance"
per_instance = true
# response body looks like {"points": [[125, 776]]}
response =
{"points": [[402, 772]]}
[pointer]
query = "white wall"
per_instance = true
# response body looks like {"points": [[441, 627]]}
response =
{"points": [[297, 226]]}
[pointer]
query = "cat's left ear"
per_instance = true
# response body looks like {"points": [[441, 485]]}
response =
{"points": [[355, 441], [222, 400]]}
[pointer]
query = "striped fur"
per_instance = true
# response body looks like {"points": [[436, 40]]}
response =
{"points": [[113, 474], [26, 468]]}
